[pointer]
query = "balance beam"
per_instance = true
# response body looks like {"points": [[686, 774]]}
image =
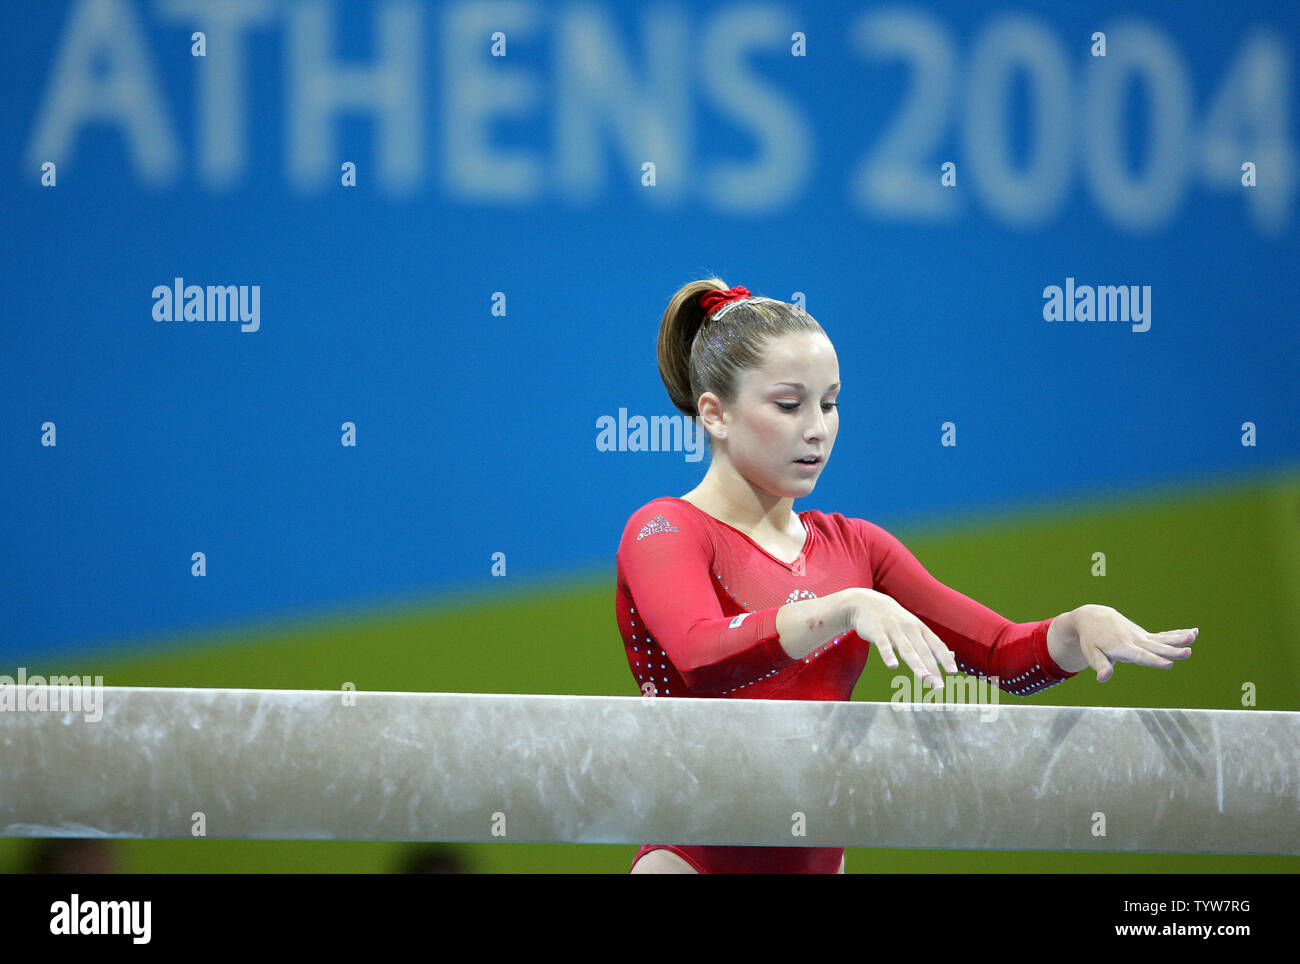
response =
{"points": [[329, 765]]}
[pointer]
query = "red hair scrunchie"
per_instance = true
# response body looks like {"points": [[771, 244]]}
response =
{"points": [[711, 301]]}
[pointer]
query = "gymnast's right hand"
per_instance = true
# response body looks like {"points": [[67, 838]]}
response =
{"points": [[882, 621]]}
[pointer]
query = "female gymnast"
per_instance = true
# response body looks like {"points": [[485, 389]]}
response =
{"points": [[727, 592]]}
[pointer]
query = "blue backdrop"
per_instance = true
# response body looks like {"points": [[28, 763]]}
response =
{"points": [[532, 183]]}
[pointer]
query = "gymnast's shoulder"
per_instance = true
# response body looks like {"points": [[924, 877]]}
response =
{"points": [[665, 513], [846, 528]]}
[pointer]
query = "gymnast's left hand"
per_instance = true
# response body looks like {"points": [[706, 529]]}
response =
{"points": [[1107, 637]]}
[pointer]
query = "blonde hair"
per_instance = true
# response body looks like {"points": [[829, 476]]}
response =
{"points": [[698, 355]]}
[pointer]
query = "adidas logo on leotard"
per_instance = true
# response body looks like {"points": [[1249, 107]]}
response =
{"points": [[657, 524]]}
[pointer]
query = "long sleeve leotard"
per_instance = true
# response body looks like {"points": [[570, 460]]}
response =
{"points": [[697, 602]]}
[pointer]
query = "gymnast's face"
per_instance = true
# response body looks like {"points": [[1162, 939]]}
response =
{"points": [[785, 410]]}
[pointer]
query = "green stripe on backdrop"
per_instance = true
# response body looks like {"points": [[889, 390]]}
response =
{"points": [[1225, 558]]}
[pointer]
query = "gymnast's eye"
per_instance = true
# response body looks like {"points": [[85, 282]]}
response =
{"points": [[790, 407]]}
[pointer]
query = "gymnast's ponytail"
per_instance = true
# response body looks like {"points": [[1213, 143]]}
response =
{"points": [[704, 350]]}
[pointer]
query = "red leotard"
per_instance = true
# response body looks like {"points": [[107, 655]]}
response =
{"points": [[684, 577]]}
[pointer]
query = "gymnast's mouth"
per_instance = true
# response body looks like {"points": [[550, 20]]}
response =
{"points": [[810, 459]]}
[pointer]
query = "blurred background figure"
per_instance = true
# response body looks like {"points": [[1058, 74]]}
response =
{"points": [[72, 855], [434, 859]]}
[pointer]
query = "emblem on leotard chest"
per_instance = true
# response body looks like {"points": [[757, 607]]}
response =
{"points": [[800, 594], [657, 524]]}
